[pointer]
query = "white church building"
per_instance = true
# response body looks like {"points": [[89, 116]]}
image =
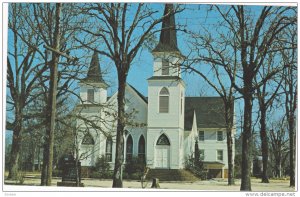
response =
{"points": [[161, 128]]}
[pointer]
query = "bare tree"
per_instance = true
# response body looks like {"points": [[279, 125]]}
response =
{"points": [[51, 105], [22, 72], [255, 37], [56, 23], [279, 146], [31, 28], [122, 39], [290, 93], [211, 53], [266, 94]]}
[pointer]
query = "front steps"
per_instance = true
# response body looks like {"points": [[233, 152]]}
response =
{"points": [[171, 175]]}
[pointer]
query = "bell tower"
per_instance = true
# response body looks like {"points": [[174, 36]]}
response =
{"points": [[93, 89], [167, 56], [166, 92]]}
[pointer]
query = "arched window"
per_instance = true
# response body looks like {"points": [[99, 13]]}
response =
{"points": [[164, 100], [129, 148], [88, 139], [163, 140], [142, 148], [109, 149]]}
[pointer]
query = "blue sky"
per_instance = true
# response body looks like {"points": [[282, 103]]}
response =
{"points": [[194, 16], [142, 67]]}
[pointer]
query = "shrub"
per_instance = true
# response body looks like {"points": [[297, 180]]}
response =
{"points": [[98, 175], [101, 169], [57, 173], [195, 166], [134, 168]]}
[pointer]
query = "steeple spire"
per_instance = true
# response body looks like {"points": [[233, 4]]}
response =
{"points": [[168, 38], [94, 73]]}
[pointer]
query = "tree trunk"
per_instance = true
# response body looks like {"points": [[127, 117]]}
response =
{"points": [[33, 156], [117, 178], [155, 183], [247, 137], [45, 161], [292, 149], [229, 122], [77, 172], [230, 157], [264, 145], [291, 105], [16, 145], [278, 168], [38, 159], [52, 93]]}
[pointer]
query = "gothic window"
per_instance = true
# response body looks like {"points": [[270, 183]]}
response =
{"points": [[129, 148], [164, 100], [220, 136], [165, 67], [142, 148], [88, 140], [163, 140], [90, 95], [109, 149], [220, 155]]}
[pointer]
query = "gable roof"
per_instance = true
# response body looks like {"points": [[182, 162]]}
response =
{"points": [[209, 112], [145, 99], [138, 93]]}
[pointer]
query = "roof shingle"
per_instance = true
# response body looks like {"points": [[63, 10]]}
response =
{"points": [[94, 74], [209, 112], [168, 38]]}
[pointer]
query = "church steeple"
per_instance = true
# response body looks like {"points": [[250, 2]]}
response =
{"points": [[94, 73], [93, 89], [168, 38]]}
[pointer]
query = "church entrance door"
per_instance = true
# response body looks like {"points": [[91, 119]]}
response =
{"points": [[162, 156], [162, 152]]}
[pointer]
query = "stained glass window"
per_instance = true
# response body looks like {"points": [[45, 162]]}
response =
{"points": [[142, 148], [129, 148], [109, 149], [163, 140], [88, 139]]}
